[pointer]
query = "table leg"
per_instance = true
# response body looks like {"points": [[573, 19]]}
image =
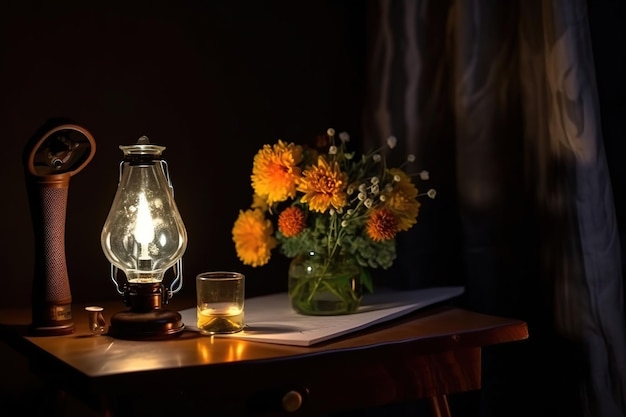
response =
{"points": [[439, 405]]}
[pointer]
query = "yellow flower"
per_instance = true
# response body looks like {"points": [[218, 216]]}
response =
{"points": [[291, 221], [381, 225], [323, 185], [253, 237], [275, 171], [402, 200]]}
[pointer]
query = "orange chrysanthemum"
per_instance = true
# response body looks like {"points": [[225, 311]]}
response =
{"points": [[253, 237], [275, 171], [402, 200], [323, 186], [381, 225], [291, 221]]}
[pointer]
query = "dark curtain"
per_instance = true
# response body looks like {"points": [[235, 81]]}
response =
{"points": [[499, 101]]}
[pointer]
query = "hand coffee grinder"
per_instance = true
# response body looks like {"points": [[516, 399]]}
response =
{"points": [[50, 160]]}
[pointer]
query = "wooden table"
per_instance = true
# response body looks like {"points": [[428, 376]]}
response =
{"points": [[430, 353]]}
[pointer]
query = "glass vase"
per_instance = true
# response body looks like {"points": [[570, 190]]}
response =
{"points": [[321, 286]]}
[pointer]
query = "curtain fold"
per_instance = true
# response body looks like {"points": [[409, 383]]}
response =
{"points": [[498, 100]]}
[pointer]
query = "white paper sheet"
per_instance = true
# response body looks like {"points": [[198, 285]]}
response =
{"points": [[271, 319]]}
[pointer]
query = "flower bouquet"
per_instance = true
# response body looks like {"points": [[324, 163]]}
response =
{"points": [[334, 213]]}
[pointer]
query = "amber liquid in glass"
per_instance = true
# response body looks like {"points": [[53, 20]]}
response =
{"points": [[220, 320]]}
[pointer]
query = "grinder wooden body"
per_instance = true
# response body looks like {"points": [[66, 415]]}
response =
{"points": [[51, 160]]}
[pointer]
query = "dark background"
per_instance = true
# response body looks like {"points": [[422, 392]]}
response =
{"points": [[211, 81]]}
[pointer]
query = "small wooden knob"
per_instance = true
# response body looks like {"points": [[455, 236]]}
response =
{"points": [[292, 401]]}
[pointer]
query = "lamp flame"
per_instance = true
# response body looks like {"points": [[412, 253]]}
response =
{"points": [[144, 229]]}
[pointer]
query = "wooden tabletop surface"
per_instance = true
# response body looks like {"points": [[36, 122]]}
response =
{"points": [[113, 366], [432, 329]]}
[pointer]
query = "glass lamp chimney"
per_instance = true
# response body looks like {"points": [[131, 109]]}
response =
{"points": [[144, 234]]}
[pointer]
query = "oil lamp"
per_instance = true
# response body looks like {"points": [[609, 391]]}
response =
{"points": [[144, 236]]}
